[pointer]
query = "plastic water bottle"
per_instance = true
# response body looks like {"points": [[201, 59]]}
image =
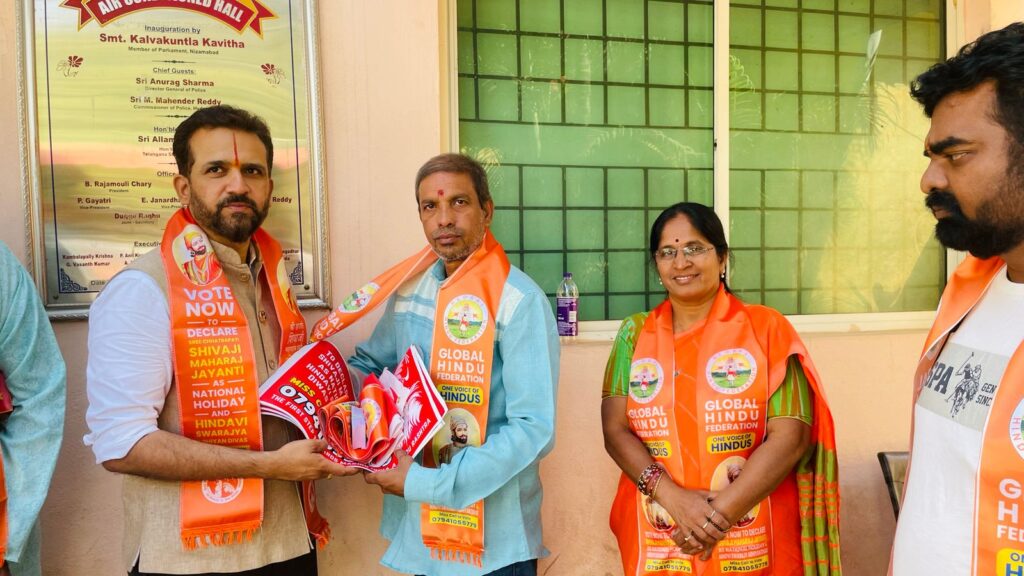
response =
{"points": [[567, 299]]}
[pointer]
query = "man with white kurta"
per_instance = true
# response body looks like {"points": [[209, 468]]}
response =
{"points": [[962, 507], [175, 362]]}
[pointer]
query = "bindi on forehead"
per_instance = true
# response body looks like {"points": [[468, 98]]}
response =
{"points": [[440, 193]]}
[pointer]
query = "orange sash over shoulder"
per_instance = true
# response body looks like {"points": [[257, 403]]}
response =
{"points": [[461, 359], [698, 402], [217, 380], [372, 294], [998, 543]]}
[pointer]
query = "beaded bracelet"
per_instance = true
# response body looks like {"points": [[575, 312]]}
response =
{"points": [[645, 477], [648, 478]]}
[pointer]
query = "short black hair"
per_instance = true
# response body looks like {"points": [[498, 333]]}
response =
{"points": [[220, 116], [457, 164], [996, 56], [702, 218]]}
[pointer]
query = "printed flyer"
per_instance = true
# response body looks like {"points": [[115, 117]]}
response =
{"points": [[401, 409], [314, 391]]}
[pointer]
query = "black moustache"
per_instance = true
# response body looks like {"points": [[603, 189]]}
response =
{"points": [[944, 200], [238, 199]]}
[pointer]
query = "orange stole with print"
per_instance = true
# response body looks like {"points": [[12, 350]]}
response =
{"points": [[642, 527], [461, 359], [372, 294], [702, 428], [998, 543], [214, 359]]}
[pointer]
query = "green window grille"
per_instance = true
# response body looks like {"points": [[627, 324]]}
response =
{"points": [[825, 155], [593, 115]]}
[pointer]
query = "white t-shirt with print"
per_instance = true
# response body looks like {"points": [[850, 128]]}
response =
{"points": [[936, 524]]}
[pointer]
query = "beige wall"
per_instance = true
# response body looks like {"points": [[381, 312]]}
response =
{"points": [[1004, 13], [381, 114]]}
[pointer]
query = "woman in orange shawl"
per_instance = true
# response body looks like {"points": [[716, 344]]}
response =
{"points": [[698, 390]]}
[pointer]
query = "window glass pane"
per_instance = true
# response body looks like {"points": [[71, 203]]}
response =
{"points": [[591, 116], [825, 155]]}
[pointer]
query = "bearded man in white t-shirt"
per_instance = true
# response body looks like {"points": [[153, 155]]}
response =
{"points": [[962, 507]]}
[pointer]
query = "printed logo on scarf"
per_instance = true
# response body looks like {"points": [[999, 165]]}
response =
{"points": [[284, 283], [1017, 429], [194, 256], [465, 319], [358, 300], [645, 379], [656, 515], [731, 371], [222, 491], [726, 473]]}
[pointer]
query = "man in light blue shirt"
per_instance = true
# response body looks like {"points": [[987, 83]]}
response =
{"points": [[455, 208], [31, 436]]}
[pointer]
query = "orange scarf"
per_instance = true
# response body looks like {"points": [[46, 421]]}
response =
{"points": [[702, 425], [460, 365], [998, 543], [215, 371], [371, 295]]}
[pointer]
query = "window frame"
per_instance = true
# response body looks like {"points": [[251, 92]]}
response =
{"points": [[605, 330]]}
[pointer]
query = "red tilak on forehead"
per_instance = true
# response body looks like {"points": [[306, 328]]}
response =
{"points": [[234, 143], [440, 192]]}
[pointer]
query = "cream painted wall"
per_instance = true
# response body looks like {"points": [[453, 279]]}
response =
{"points": [[381, 117], [1004, 13]]}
